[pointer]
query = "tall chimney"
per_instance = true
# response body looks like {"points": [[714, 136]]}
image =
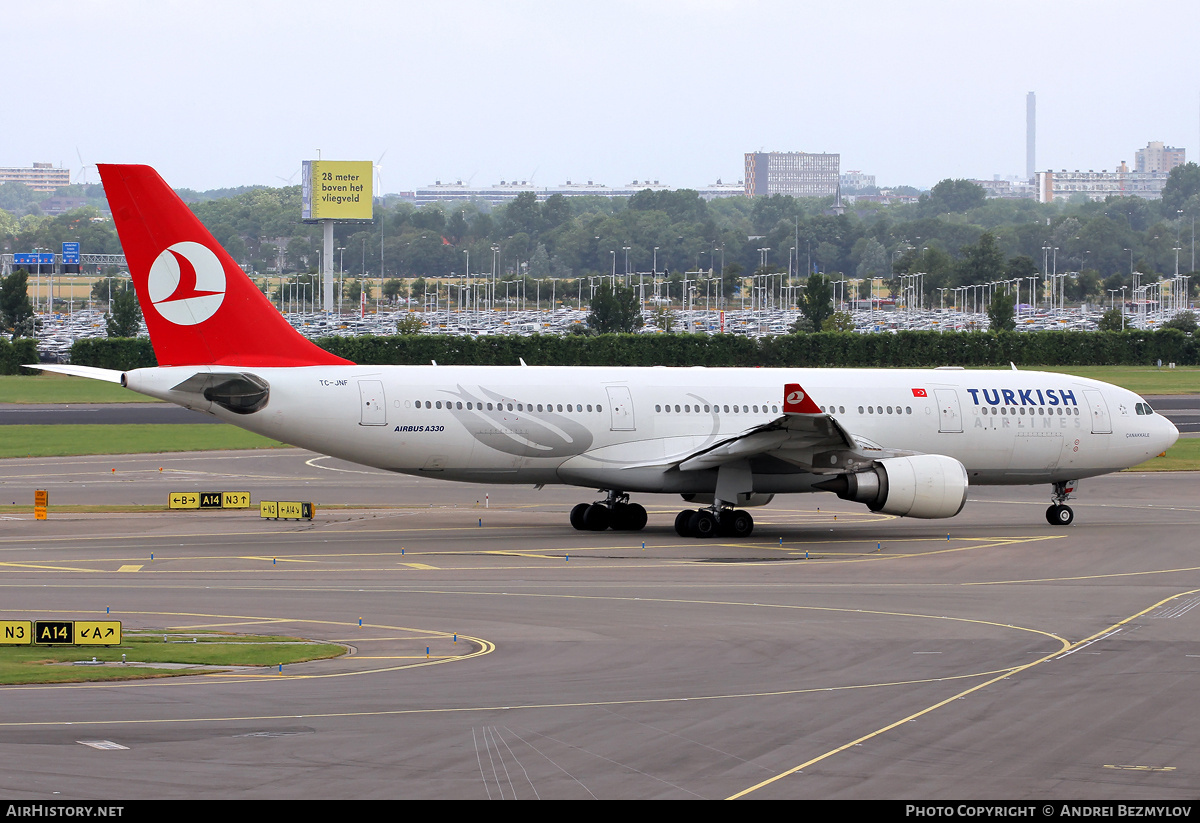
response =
{"points": [[1030, 136]]}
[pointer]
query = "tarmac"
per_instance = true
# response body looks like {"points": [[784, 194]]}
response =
{"points": [[836, 653]]}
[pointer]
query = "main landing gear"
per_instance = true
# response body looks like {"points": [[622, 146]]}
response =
{"points": [[1060, 514], [714, 522], [615, 512]]}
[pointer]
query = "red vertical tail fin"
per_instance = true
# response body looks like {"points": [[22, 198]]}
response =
{"points": [[200, 307]]}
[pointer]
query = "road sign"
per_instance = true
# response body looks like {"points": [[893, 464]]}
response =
{"points": [[97, 632], [285, 510], [16, 632], [183, 500], [235, 500], [209, 500], [54, 632]]}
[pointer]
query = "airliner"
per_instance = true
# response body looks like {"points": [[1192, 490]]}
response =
{"points": [[904, 442]]}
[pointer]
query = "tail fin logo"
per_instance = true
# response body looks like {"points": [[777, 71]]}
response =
{"points": [[186, 283]]}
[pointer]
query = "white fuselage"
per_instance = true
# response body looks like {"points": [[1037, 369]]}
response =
{"points": [[625, 428]]}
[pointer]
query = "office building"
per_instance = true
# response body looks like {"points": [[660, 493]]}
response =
{"points": [[796, 173], [1157, 157], [39, 176]]}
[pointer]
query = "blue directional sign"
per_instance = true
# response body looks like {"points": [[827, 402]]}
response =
{"points": [[70, 254], [33, 259]]}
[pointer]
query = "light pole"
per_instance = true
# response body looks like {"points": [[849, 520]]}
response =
{"points": [[341, 271]]}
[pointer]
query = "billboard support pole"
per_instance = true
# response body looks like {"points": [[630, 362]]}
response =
{"points": [[335, 190], [327, 272]]}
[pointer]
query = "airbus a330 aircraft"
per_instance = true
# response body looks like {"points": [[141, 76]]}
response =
{"points": [[903, 442]]}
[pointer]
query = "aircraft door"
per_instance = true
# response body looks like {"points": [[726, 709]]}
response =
{"points": [[620, 406], [1101, 424], [949, 413], [373, 408]]}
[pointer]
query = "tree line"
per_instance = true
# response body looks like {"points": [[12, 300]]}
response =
{"points": [[954, 234]]}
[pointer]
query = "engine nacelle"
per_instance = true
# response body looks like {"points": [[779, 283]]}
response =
{"points": [[925, 485], [744, 499]]}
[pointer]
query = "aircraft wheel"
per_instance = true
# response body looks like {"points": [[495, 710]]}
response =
{"points": [[628, 517], [1059, 515], [636, 517], [682, 521], [703, 524], [741, 523], [577, 516], [596, 518]]}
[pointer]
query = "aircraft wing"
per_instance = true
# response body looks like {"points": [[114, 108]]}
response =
{"points": [[803, 435]]}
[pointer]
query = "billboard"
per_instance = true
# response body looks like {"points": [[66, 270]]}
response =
{"points": [[337, 190]]}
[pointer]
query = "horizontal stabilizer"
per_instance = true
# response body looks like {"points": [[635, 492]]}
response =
{"points": [[91, 372]]}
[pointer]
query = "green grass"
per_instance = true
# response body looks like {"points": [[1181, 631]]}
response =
{"points": [[1145, 380], [59, 388], [96, 438], [42, 664]]}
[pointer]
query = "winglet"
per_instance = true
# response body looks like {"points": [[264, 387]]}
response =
{"points": [[797, 401]]}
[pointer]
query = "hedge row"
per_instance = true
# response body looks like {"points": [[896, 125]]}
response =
{"points": [[915, 349], [121, 353], [19, 352]]}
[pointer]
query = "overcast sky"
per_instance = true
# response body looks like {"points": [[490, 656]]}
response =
{"points": [[218, 93]]}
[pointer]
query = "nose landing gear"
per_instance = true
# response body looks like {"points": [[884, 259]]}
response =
{"points": [[1059, 513]]}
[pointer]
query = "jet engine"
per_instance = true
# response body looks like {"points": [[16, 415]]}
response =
{"points": [[925, 485]]}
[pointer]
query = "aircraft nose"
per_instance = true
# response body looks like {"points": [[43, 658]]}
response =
{"points": [[1166, 434]]}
